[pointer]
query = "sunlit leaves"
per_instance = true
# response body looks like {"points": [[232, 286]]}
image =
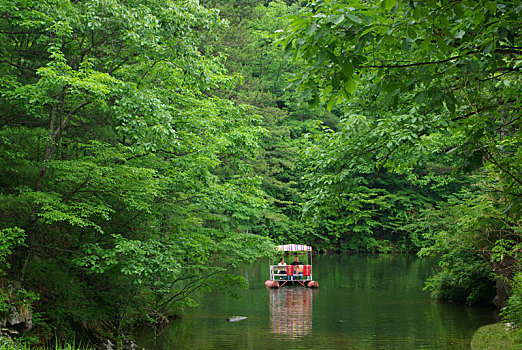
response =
{"points": [[384, 59], [433, 78], [112, 141], [10, 238]]}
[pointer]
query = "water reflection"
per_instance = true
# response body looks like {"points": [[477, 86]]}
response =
{"points": [[291, 312], [363, 303]]}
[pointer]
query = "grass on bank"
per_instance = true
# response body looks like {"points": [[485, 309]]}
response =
{"points": [[13, 346], [494, 337]]}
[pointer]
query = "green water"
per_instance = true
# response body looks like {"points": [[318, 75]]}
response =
{"points": [[363, 302]]}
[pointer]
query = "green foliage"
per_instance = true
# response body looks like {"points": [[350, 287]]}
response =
{"points": [[463, 276], [10, 238], [472, 236], [136, 170], [128, 171], [496, 336], [13, 296], [372, 209], [248, 46], [57, 346], [340, 42], [419, 91], [512, 312], [427, 91]]}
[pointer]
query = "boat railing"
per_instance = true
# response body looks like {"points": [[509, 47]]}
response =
{"points": [[291, 272]]}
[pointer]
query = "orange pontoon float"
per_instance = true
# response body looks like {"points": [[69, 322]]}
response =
{"points": [[292, 274]]}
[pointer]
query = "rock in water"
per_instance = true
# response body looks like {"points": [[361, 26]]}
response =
{"points": [[236, 318]]}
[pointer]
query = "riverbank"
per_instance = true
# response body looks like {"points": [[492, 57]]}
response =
{"points": [[496, 336], [13, 346]]}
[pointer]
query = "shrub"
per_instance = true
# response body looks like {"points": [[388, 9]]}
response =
{"points": [[463, 276], [512, 312]]}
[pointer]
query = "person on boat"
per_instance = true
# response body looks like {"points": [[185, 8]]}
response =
{"points": [[298, 266], [282, 263], [296, 262]]}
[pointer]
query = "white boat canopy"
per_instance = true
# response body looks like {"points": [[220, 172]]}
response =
{"points": [[294, 248]]}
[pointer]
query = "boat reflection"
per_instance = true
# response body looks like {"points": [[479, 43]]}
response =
{"points": [[291, 311]]}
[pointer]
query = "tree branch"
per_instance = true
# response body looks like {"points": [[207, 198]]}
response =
{"points": [[186, 291], [416, 64], [17, 66], [473, 113], [492, 160], [54, 138]]}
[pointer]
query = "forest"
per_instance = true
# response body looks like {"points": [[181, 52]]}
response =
{"points": [[148, 146]]}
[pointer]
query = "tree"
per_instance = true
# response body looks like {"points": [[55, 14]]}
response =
{"points": [[414, 79], [248, 45], [111, 133], [443, 82]]}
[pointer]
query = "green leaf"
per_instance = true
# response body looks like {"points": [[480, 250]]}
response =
{"points": [[288, 49], [388, 4], [337, 19], [449, 101], [458, 10], [319, 59], [421, 97], [331, 102], [311, 29], [353, 18], [332, 56], [442, 44], [492, 7], [417, 13], [326, 92], [347, 69], [489, 47], [406, 44], [350, 85]]}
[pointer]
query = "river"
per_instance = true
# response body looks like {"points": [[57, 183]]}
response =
{"points": [[363, 302]]}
